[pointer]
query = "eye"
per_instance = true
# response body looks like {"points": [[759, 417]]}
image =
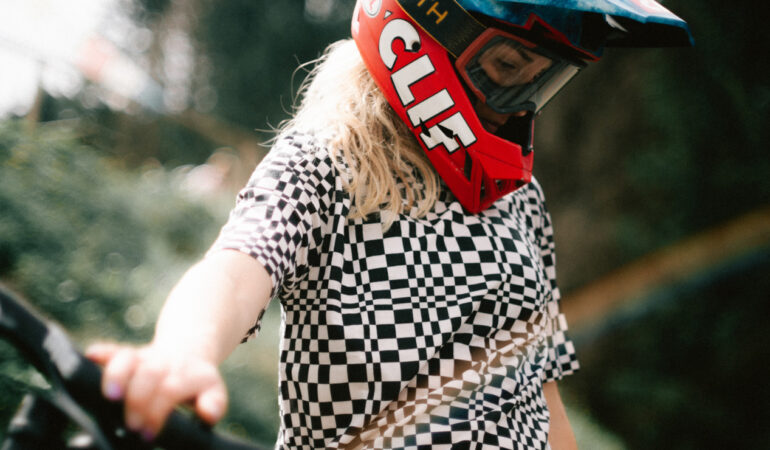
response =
{"points": [[538, 75], [506, 72], [508, 65]]}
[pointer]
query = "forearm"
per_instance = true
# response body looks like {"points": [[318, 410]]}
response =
{"points": [[560, 436], [202, 321], [210, 309]]}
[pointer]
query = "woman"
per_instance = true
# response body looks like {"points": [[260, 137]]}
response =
{"points": [[397, 222]]}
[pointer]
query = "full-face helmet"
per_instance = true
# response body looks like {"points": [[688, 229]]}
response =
{"points": [[437, 61]]}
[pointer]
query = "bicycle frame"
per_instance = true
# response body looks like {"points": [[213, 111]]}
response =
{"points": [[76, 393]]}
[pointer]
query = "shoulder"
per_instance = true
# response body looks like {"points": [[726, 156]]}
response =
{"points": [[297, 171], [529, 198], [299, 150], [534, 192], [528, 203], [295, 158]]}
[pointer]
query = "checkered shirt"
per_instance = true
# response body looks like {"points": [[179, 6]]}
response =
{"points": [[436, 333]]}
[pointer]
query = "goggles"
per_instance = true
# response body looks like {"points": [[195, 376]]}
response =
{"points": [[510, 74]]}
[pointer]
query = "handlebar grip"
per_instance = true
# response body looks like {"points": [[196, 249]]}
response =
{"points": [[181, 433], [50, 350]]}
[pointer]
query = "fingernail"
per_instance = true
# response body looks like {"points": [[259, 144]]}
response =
{"points": [[133, 421], [213, 408], [148, 435], [113, 391]]}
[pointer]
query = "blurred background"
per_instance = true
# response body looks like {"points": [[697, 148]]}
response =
{"points": [[127, 127]]}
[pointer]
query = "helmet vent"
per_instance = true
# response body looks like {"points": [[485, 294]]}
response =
{"points": [[468, 168]]}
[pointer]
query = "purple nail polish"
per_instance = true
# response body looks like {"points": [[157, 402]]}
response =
{"points": [[113, 391], [148, 435]]}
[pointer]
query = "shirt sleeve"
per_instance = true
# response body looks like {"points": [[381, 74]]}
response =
{"points": [[281, 214], [561, 357]]}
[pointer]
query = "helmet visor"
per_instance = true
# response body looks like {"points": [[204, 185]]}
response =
{"points": [[510, 74]]}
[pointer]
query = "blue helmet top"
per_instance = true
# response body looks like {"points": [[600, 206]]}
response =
{"points": [[624, 23]]}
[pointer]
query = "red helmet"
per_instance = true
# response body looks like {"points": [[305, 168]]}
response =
{"points": [[434, 59]]}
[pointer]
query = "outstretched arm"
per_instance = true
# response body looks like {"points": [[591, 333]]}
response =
{"points": [[204, 318]]}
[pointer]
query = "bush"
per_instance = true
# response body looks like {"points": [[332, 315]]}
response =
{"points": [[75, 233], [93, 247]]}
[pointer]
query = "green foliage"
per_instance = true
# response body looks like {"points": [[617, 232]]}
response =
{"points": [[74, 230], [153, 6], [84, 242], [128, 139], [254, 48], [648, 146], [703, 161], [686, 371], [97, 248]]}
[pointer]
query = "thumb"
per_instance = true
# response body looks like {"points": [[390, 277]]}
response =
{"points": [[102, 352], [211, 404]]}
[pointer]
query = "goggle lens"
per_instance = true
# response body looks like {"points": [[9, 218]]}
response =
{"points": [[511, 75]]}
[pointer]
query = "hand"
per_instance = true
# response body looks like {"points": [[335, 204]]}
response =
{"points": [[153, 381]]}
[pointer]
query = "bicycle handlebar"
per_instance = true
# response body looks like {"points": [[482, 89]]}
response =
{"points": [[49, 349]]}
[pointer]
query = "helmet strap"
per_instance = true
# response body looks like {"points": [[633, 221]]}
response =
{"points": [[447, 23]]}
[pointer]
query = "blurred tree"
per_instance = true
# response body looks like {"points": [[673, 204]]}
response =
{"points": [[649, 146], [644, 148], [254, 47], [72, 225], [96, 248], [234, 61], [684, 371]]}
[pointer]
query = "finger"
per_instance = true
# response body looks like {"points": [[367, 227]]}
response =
{"points": [[141, 389], [171, 392], [211, 404], [101, 352], [117, 371], [200, 384]]}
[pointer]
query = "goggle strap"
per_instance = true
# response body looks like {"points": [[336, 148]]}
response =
{"points": [[445, 21]]}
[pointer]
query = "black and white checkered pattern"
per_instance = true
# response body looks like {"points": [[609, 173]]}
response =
{"points": [[437, 333]]}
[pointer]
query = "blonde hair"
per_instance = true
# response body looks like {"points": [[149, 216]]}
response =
{"points": [[383, 167]]}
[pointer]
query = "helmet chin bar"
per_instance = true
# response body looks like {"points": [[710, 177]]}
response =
{"points": [[518, 130]]}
